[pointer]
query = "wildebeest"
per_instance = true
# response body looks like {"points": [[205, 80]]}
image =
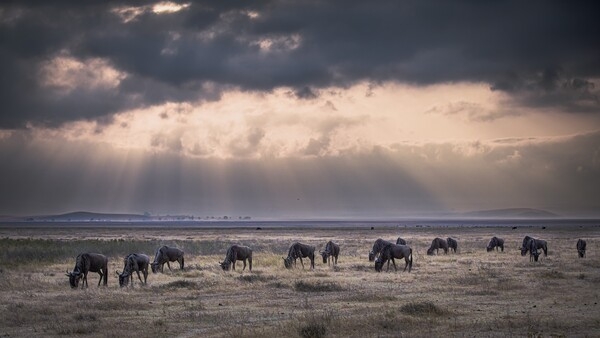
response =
{"points": [[540, 244], [330, 253], [400, 241], [581, 244], [299, 250], [134, 262], [391, 251], [534, 254], [436, 244], [377, 247], [495, 243], [88, 262], [164, 255], [452, 244], [235, 253]]}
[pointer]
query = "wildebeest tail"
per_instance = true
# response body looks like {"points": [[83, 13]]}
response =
{"points": [[411, 260], [105, 277], [182, 260]]}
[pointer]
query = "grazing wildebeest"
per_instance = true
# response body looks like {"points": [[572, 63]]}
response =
{"points": [[391, 251], [235, 253], [540, 244], [377, 246], [400, 241], [534, 254], [495, 243], [299, 250], [436, 244], [88, 262], [134, 262], [581, 244], [164, 255], [452, 244], [330, 253]]}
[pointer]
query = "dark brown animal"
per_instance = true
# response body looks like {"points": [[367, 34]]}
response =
{"points": [[452, 244], [134, 262], [581, 244], [495, 243], [391, 251], [540, 245], [330, 253], [88, 262], [299, 250], [436, 244], [235, 253], [400, 241], [164, 255], [377, 247]]}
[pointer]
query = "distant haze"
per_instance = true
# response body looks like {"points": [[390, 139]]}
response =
{"points": [[299, 109]]}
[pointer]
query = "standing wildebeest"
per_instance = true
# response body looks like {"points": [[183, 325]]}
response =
{"points": [[540, 244], [164, 255], [495, 243], [237, 252], [534, 254], [330, 253], [391, 251], [581, 244], [134, 262], [377, 247], [452, 244], [436, 244], [400, 241], [88, 262], [299, 250]]}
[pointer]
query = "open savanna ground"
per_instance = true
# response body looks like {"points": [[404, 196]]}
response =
{"points": [[471, 293]]}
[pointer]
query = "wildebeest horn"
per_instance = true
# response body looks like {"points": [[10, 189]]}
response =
{"points": [[117, 272]]}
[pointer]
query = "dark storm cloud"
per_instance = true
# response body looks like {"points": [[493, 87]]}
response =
{"points": [[543, 53]]}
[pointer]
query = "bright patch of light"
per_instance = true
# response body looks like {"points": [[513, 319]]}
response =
{"points": [[168, 7], [65, 73]]}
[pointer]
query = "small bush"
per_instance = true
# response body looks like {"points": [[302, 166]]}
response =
{"points": [[313, 330], [180, 284], [318, 286], [422, 309]]}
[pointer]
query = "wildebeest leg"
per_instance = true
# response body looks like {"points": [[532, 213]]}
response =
{"points": [[244, 262], [301, 263], [181, 261], [233, 264], [140, 278], [393, 262], [101, 275], [250, 263], [84, 281], [169, 266]]}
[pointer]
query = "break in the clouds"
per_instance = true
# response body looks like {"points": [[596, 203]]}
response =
{"points": [[299, 108], [69, 60]]}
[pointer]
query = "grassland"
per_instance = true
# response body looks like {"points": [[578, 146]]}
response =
{"points": [[472, 293]]}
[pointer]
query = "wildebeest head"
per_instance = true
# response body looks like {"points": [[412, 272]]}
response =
{"points": [[123, 278], [287, 261], [378, 264], [225, 265], [154, 267], [74, 278], [324, 255], [430, 251], [371, 256], [524, 250]]}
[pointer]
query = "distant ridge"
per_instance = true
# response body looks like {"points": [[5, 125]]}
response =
{"points": [[511, 213], [90, 216]]}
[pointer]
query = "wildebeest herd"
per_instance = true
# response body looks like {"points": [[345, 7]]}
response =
{"points": [[382, 251]]}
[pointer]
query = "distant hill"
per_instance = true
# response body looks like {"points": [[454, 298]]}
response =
{"points": [[511, 213], [89, 216]]}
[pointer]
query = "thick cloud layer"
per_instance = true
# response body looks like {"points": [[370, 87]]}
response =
{"points": [[541, 53]]}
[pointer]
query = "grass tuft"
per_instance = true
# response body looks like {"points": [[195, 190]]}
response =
{"points": [[180, 284], [422, 309], [305, 286]]}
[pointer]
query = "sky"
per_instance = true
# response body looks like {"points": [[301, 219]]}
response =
{"points": [[299, 109]]}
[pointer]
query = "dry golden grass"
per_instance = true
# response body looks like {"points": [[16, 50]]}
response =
{"points": [[472, 293]]}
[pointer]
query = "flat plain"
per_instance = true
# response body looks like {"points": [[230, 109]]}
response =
{"points": [[472, 293]]}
